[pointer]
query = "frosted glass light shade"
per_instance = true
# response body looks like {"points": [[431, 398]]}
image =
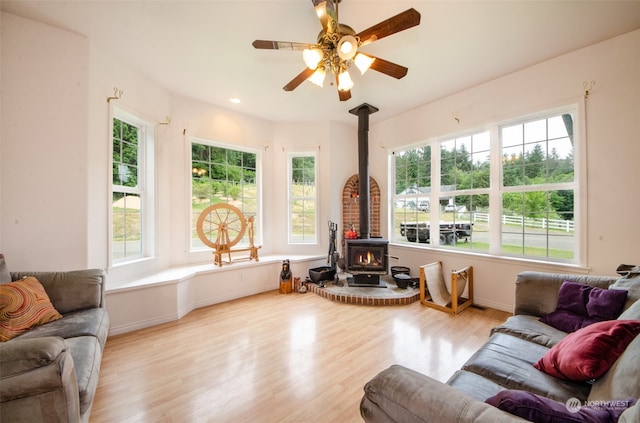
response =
{"points": [[363, 62], [347, 47], [317, 77], [344, 81], [311, 57]]}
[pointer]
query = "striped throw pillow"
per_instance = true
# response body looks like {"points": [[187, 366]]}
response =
{"points": [[23, 305]]}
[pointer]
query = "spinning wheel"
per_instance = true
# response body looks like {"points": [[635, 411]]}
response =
{"points": [[221, 226], [218, 223]]}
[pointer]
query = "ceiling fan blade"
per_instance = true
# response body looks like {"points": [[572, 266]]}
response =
{"points": [[302, 76], [280, 45], [405, 20], [388, 68], [326, 11]]}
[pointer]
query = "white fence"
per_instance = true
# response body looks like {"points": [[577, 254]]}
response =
{"points": [[562, 225]]}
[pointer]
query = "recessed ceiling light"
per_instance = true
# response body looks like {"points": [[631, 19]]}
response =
{"points": [[235, 100]]}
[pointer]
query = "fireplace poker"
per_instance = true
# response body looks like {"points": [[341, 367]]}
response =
{"points": [[331, 258]]}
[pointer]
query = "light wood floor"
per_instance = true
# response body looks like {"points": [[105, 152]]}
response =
{"points": [[277, 358]]}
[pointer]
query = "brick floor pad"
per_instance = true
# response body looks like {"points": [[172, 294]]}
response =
{"points": [[391, 295]]}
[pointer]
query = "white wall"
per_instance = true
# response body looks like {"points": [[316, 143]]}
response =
{"points": [[611, 118], [44, 163], [336, 146]]}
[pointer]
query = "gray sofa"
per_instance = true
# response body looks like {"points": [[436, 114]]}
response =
{"points": [[50, 373], [399, 394]]}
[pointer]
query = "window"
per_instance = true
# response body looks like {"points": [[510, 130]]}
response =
{"points": [[538, 188], [412, 202], [132, 208], [223, 175], [521, 173], [303, 218], [464, 191]]}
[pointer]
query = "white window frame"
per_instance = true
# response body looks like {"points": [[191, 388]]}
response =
{"points": [[145, 188], [496, 189], [291, 198], [258, 222]]}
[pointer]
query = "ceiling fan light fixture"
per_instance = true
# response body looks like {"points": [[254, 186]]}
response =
{"points": [[318, 77], [363, 62], [347, 47], [311, 57], [345, 83]]}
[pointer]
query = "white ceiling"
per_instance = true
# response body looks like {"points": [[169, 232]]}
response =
{"points": [[202, 49]]}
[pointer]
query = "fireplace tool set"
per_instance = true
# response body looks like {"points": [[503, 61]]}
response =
{"points": [[327, 273]]}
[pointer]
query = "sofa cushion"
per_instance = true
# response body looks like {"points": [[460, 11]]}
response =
{"points": [[629, 281], [621, 381], [71, 290], [38, 381], [5, 276], [90, 322], [589, 352], [580, 305], [632, 313], [399, 394], [531, 329], [539, 409], [87, 355], [508, 361], [631, 415], [24, 304], [537, 292], [22, 356], [474, 385]]}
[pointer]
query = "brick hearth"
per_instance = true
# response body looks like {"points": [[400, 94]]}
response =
{"points": [[391, 295]]}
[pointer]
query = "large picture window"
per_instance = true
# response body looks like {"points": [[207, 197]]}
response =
{"points": [[132, 207], [506, 190], [220, 174], [538, 183], [303, 202]]}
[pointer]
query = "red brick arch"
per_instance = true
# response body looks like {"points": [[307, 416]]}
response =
{"points": [[350, 207]]}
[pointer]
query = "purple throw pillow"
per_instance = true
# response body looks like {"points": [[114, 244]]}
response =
{"points": [[573, 297], [606, 304], [539, 409], [580, 305]]}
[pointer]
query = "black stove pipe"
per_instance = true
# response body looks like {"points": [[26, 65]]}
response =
{"points": [[363, 111]]}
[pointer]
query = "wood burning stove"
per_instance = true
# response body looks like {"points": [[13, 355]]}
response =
{"points": [[366, 260]]}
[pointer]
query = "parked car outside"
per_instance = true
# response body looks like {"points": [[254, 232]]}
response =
{"points": [[450, 208], [423, 206]]}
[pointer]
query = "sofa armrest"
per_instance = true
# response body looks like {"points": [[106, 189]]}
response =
{"points": [[73, 290], [38, 381], [398, 394], [537, 292]]}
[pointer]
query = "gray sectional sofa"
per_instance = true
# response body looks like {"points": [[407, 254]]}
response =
{"points": [[506, 361], [50, 373]]}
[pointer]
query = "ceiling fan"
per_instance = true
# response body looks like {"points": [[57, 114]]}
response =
{"points": [[338, 47]]}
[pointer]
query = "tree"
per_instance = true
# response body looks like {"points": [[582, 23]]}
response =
{"points": [[534, 162], [125, 153]]}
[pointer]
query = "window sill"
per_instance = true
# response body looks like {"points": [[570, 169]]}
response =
{"points": [[529, 262], [182, 273]]}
